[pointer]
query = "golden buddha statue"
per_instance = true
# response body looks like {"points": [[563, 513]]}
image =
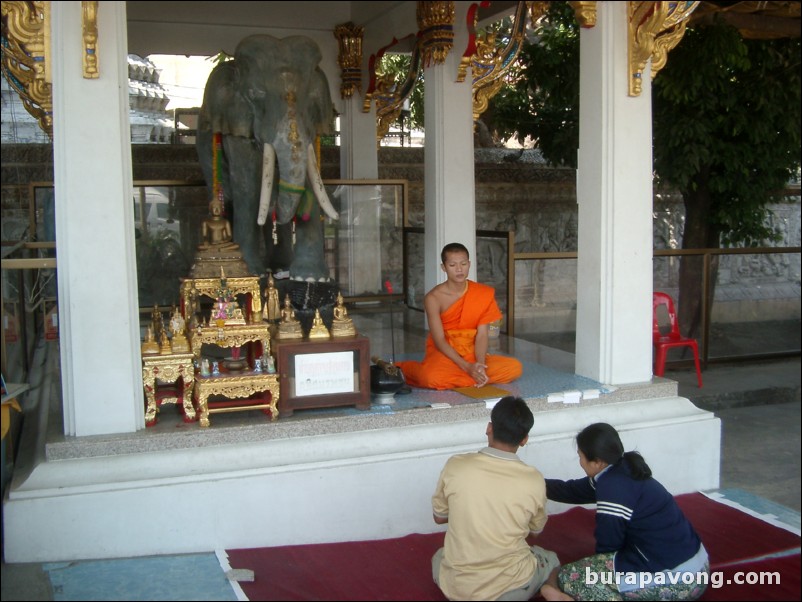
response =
{"points": [[272, 310], [342, 325], [157, 320], [318, 330], [150, 346], [164, 345], [216, 230], [289, 327], [218, 247]]}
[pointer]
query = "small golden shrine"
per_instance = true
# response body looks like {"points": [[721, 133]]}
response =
{"points": [[150, 346], [226, 310]]}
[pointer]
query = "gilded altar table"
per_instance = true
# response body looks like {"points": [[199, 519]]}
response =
{"points": [[230, 335], [236, 387], [168, 369]]}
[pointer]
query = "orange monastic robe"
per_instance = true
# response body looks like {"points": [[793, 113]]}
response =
{"points": [[460, 321]]}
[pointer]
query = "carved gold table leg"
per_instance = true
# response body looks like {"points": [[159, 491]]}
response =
{"points": [[201, 398], [273, 387], [149, 383], [188, 377]]}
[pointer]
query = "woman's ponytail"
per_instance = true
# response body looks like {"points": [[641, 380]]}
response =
{"points": [[637, 466]]}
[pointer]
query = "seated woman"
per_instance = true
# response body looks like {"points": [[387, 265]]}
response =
{"points": [[645, 547]]}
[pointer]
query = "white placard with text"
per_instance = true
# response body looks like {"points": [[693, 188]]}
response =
{"points": [[324, 373]]}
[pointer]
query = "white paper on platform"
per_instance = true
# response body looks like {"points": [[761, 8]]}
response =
{"points": [[324, 373], [573, 396]]}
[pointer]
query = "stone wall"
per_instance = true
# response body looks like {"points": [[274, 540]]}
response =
{"points": [[515, 190]]}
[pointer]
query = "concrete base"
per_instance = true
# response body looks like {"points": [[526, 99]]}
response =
{"points": [[369, 477]]}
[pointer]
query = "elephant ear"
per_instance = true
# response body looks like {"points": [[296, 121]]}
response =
{"points": [[321, 108], [224, 109]]}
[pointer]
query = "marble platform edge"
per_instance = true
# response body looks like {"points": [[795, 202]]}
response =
{"points": [[261, 429]]}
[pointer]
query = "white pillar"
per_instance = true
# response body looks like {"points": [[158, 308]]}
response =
{"points": [[99, 320], [449, 188], [359, 160], [614, 192]]}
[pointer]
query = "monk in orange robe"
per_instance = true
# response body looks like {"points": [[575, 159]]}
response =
{"points": [[459, 312]]}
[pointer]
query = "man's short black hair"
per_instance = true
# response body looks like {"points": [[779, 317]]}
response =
{"points": [[453, 247], [511, 419]]}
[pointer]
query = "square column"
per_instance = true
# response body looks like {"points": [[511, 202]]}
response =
{"points": [[97, 285], [449, 195], [614, 192]]}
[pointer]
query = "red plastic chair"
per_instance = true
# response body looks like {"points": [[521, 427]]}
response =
{"points": [[663, 342]]}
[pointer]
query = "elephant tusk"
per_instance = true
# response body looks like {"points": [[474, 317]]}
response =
{"points": [[268, 175], [313, 173]]}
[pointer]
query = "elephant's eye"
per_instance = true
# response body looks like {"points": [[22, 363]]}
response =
{"points": [[256, 94]]}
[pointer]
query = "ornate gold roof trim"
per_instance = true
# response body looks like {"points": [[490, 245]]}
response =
{"points": [[25, 58], [654, 29]]}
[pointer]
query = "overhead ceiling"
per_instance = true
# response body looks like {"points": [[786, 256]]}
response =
{"points": [[755, 20], [206, 27]]}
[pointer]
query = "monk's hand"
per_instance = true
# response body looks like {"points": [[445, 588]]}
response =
{"points": [[479, 373]]}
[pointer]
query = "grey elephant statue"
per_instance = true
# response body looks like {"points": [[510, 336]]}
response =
{"points": [[268, 105]]}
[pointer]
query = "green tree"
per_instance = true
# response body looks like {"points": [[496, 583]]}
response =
{"points": [[727, 136], [726, 128]]}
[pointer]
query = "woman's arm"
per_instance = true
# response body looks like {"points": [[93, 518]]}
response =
{"points": [[575, 491]]}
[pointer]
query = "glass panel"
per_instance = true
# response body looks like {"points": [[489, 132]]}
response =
{"points": [[414, 249], [364, 247], [756, 306], [491, 268], [168, 219], [545, 302]]}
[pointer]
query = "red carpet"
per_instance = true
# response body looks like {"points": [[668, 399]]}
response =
{"points": [[400, 569]]}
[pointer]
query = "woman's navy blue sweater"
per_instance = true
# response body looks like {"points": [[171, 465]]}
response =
{"points": [[637, 519]]}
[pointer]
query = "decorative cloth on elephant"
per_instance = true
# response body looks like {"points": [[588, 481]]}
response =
{"points": [[460, 322]]}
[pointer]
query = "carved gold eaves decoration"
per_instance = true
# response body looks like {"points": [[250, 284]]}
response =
{"points": [[435, 31], [388, 93], [89, 18], [654, 28], [390, 96], [488, 62], [585, 13], [25, 58], [349, 37]]}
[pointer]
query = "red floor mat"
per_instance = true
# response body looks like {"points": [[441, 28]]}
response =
{"points": [[400, 569]]}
